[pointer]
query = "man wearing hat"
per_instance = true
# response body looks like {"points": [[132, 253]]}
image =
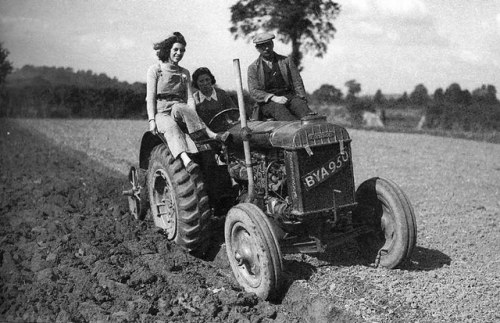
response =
{"points": [[275, 83]]}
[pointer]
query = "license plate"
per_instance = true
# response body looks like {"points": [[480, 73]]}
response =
{"points": [[325, 171]]}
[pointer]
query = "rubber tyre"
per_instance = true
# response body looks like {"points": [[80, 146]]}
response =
{"points": [[186, 212], [386, 208], [253, 250]]}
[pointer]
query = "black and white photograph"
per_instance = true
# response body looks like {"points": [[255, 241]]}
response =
{"points": [[284, 161]]}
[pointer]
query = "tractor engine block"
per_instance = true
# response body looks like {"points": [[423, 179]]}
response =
{"points": [[269, 174]]}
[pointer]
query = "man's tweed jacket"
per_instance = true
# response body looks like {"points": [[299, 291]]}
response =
{"points": [[256, 82]]}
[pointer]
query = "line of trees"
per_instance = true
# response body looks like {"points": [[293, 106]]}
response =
{"points": [[457, 109], [451, 109], [50, 92]]}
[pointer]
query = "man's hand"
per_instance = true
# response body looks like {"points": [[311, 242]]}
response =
{"points": [[279, 99]]}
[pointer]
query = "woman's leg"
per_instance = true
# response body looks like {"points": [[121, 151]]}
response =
{"points": [[176, 140], [184, 113], [195, 126], [173, 134]]}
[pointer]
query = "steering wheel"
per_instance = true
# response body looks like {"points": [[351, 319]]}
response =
{"points": [[224, 120]]}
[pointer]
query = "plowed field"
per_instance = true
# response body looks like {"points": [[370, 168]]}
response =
{"points": [[71, 252]]}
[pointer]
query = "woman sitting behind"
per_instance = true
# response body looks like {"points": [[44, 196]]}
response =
{"points": [[209, 99], [209, 102], [170, 101]]}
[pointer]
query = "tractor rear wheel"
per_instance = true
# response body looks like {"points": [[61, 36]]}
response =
{"points": [[179, 203], [253, 250], [386, 209]]}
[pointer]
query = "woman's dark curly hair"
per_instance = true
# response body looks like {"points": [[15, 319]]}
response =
{"points": [[199, 72], [163, 48]]}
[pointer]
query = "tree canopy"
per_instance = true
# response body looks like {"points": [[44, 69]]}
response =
{"points": [[353, 88], [327, 94], [486, 93], [5, 65], [306, 24], [67, 76], [379, 98], [438, 95], [419, 95], [455, 94]]}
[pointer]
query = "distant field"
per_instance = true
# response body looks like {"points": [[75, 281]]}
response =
{"points": [[454, 185]]}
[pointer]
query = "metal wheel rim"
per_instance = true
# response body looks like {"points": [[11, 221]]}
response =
{"points": [[387, 232], [246, 255], [164, 202]]}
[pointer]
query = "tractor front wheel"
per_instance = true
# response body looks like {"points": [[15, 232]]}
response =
{"points": [[253, 250], [386, 210]]}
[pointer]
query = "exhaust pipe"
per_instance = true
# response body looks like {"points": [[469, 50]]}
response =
{"points": [[245, 132]]}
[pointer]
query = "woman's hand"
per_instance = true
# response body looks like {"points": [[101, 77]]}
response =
{"points": [[152, 126]]}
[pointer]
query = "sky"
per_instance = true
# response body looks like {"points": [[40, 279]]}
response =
{"points": [[391, 45]]}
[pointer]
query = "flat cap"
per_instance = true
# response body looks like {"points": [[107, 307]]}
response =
{"points": [[262, 38]]}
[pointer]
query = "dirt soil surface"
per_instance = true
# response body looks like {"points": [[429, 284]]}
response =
{"points": [[71, 252]]}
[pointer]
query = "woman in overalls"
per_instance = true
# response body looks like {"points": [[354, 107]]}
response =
{"points": [[170, 101]]}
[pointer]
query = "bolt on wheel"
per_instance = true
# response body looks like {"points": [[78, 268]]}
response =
{"points": [[253, 250]]}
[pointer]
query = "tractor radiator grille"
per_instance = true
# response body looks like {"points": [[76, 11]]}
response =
{"points": [[322, 180]]}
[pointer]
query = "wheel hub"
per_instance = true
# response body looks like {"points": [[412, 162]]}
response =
{"points": [[245, 254], [387, 226]]}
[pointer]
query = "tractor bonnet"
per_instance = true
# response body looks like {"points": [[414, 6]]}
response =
{"points": [[293, 135]]}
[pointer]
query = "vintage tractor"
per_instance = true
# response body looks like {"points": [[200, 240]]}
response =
{"points": [[295, 194]]}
